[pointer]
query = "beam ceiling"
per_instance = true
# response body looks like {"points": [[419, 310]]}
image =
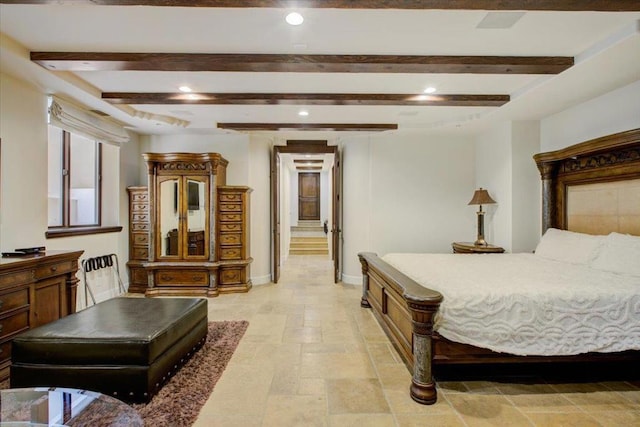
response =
{"points": [[550, 5], [358, 99], [289, 63], [343, 127]]}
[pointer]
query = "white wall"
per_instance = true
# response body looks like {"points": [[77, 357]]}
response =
{"points": [[614, 112], [405, 192], [23, 208], [356, 206], [505, 167], [493, 173], [23, 130], [526, 186], [260, 205]]}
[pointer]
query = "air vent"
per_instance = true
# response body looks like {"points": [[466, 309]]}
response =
{"points": [[500, 20]]}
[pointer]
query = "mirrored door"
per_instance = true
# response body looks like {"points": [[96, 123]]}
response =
{"points": [[196, 217], [169, 201]]}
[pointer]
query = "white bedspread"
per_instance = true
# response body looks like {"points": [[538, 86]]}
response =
{"points": [[526, 305]]}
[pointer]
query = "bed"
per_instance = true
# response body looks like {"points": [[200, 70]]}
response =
{"points": [[431, 309]]}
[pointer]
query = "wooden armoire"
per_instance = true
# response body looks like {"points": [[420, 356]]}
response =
{"points": [[189, 232]]}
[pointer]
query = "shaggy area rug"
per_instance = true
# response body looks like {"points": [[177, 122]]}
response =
{"points": [[179, 402]]}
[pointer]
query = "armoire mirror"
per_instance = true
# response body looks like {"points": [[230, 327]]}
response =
{"points": [[196, 217], [169, 216]]}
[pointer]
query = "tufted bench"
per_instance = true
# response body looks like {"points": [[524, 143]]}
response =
{"points": [[123, 347]]}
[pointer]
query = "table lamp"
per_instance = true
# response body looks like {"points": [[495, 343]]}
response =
{"points": [[481, 197]]}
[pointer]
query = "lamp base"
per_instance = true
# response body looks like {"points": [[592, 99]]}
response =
{"points": [[480, 242]]}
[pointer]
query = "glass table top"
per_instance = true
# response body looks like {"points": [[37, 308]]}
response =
{"points": [[55, 406]]}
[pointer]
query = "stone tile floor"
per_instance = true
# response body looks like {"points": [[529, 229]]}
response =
{"points": [[313, 357]]}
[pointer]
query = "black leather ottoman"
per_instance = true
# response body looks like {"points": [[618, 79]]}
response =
{"points": [[124, 347]]}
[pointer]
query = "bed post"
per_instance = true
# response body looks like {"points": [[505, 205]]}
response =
{"points": [[548, 172], [423, 388], [396, 301], [364, 302]]}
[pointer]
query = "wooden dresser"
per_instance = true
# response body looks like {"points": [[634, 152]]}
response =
{"points": [[233, 239], [189, 231], [34, 290]]}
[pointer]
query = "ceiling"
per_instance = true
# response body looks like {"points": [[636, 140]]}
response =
{"points": [[352, 70]]}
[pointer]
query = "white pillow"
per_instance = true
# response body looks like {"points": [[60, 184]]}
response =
{"points": [[568, 246], [620, 254]]}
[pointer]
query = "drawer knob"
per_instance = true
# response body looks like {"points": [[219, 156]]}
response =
{"points": [[54, 268]]}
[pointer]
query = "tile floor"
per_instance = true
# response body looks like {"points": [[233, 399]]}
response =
{"points": [[313, 357]]}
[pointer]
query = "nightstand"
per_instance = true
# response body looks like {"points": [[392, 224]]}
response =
{"points": [[470, 248]]}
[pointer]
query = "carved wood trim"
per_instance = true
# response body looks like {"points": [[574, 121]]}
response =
{"points": [[288, 63], [184, 166], [559, 5], [609, 158]]}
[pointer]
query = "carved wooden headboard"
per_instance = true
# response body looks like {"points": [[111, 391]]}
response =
{"points": [[594, 186]]}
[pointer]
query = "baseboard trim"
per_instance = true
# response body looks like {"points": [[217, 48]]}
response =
{"points": [[261, 280], [351, 280]]}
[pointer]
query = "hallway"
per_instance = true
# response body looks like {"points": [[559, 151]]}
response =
{"points": [[313, 357]]}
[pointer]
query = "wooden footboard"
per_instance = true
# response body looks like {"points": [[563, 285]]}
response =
{"points": [[405, 310]]}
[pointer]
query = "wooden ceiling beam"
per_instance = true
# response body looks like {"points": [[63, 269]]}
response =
{"points": [[293, 63], [548, 5], [356, 99], [307, 161], [346, 127]]}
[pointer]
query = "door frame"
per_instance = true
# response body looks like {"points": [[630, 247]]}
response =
{"points": [[305, 147]]}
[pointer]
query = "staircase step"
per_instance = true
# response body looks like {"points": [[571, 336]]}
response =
{"points": [[301, 245], [306, 228], [314, 252]]}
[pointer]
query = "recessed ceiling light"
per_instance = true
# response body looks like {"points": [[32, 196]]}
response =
{"points": [[303, 113], [307, 155], [430, 89], [185, 89], [294, 18]]}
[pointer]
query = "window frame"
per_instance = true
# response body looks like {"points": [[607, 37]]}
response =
{"points": [[66, 229]]}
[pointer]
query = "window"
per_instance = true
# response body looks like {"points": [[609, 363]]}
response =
{"points": [[74, 180], [83, 148]]}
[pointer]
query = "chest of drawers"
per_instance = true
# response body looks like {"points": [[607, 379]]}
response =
{"points": [[34, 290]]}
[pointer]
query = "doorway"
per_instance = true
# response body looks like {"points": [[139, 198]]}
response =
{"points": [[280, 211]]}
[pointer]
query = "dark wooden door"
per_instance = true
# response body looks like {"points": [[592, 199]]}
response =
{"points": [[336, 231], [309, 196], [275, 213]]}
